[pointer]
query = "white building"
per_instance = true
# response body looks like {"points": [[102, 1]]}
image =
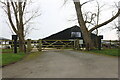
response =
{"points": [[4, 41]]}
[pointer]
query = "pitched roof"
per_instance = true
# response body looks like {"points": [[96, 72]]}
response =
{"points": [[2, 38], [65, 34]]}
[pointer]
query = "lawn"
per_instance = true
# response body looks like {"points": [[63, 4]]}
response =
{"points": [[111, 52], [7, 50], [8, 58]]}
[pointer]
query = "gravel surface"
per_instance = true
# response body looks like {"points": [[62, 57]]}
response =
{"points": [[64, 64]]}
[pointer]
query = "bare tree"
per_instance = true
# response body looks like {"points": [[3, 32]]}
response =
{"points": [[15, 12], [116, 26], [84, 20]]}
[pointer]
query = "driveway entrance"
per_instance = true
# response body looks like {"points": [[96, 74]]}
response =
{"points": [[64, 64]]}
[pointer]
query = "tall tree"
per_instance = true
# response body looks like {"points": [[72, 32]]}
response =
{"points": [[82, 22], [15, 11]]}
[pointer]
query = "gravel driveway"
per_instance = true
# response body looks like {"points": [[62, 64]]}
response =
{"points": [[64, 64]]}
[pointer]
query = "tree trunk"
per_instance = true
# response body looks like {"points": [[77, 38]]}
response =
{"points": [[21, 44], [21, 29], [87, 38], [21, 41], [86, 34]]}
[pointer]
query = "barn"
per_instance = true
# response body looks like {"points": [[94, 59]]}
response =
{"points": [[71, 33]]}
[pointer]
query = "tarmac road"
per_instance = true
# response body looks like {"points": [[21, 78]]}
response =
{"points": [[64, 64]]}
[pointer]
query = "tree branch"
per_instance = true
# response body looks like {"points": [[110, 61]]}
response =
{"points": [[33, 16], [10, 27], [91, 19], [10, 18], [3, 2], [24, 5], [86, 2], [106, 22], [15, 13]]}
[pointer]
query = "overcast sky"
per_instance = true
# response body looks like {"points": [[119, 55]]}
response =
{"points": [[56, 17]]}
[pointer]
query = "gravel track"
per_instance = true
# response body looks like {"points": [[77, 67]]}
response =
{"points": [[64, 64]]}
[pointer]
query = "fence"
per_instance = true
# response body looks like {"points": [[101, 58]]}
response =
{"points": [[111, 43], [41, 44], [8, 46]]}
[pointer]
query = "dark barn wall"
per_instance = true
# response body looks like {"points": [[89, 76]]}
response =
{"points": [[66, 35]]}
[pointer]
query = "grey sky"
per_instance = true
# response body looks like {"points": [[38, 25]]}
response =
{"points": [[55, 18]]}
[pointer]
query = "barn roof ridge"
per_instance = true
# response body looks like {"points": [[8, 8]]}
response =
{"points": [[66, 33], [2, 38], [62, 31]]}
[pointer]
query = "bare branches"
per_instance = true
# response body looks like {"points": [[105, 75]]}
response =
{"points": [[26, 30], [3, 6], [106, 22], [33, 16], [65, 1], [3, 2], [72, 20], [93, 15], [10, 27], [24, 5], [116, 26], [98, 13], [15, 12], [86, 2]]}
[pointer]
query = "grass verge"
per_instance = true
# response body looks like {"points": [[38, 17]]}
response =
{"points": [[7, 50], [110, 52], [9, 58]]}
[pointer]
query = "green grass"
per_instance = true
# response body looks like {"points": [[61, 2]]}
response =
{"points": [[7, 50], [8, 58], [111, 52]]}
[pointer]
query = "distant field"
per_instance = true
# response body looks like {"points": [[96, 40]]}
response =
{"points": [[111, 52]]}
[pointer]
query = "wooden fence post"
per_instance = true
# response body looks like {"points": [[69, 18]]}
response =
{"points": [[40, 45], [110, 44], [12, 44], [76, 44], [29, 46]]}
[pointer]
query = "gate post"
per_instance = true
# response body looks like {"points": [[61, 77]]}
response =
{"points": [[76, 44], [28, 45], [14, 38], [40, 45], [12, 44]]}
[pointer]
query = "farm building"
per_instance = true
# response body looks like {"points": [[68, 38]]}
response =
{"points": [[71, 33], [4, 41]]}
